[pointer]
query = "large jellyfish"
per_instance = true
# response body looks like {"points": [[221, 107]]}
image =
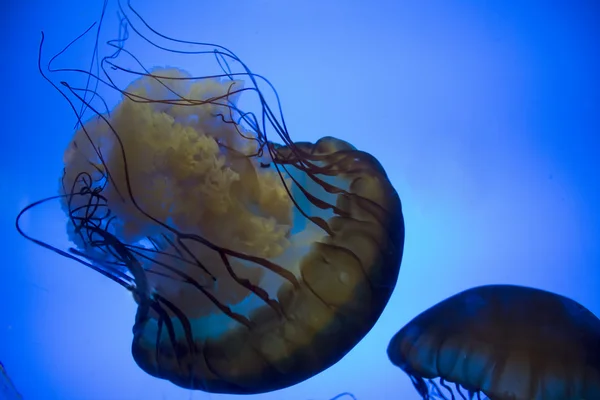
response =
{"points": [[506, 342], [255, 265]]}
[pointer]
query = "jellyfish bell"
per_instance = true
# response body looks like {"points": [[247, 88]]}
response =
{"points": [[243, 301], [505, 342], [255, 264], [283, 269]]}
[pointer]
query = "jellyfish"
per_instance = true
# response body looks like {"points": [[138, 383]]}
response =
{"points": [[255, 261], [505, 342]]}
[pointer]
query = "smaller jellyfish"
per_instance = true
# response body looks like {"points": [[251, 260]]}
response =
{"points": [[502, 341]]}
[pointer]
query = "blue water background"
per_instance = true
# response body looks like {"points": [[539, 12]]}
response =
{"points": [[486, 115]]}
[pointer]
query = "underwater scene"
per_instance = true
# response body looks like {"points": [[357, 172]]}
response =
{"points": [[300, 200]]}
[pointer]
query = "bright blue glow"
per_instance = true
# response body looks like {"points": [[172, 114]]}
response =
{"points": [[485, 117]]}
